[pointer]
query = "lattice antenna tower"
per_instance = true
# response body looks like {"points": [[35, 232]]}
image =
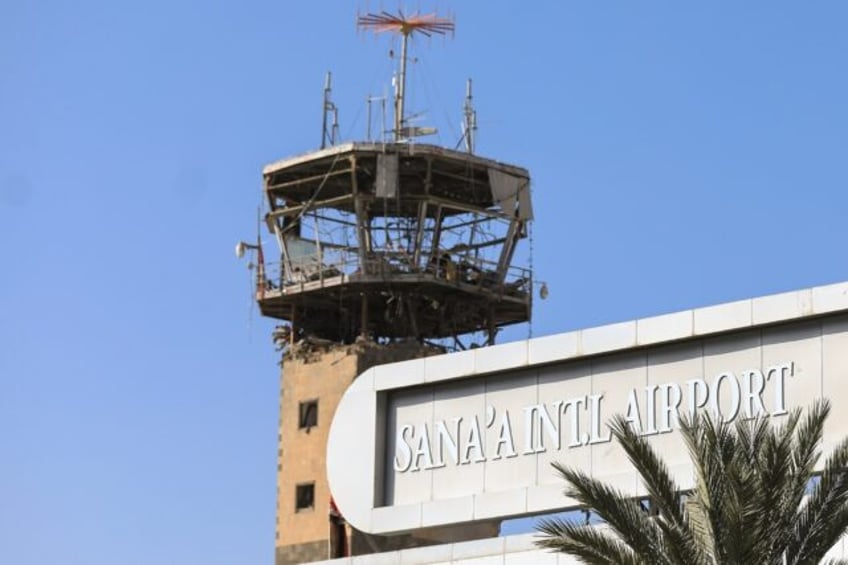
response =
{"points": [[405, 26]]}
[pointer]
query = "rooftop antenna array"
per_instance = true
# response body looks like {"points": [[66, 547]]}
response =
{"points": [[406, 26]]}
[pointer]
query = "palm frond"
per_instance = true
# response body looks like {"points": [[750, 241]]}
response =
{"points": [[663, 491], [712, 447], [589, 543], [620, 511], [786, 475], [823, 518]]}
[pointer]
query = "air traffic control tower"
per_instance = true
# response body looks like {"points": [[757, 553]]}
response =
{"points": [[389, 249]]}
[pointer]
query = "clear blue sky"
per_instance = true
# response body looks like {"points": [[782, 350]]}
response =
{"points": [[682, 153]]}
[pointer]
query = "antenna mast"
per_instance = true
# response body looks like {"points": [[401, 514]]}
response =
{"points": [[470, 123], [426, 24], [329, 133]]}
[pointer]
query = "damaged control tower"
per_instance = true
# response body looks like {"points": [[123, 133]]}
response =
{"points": [[390, 249]]}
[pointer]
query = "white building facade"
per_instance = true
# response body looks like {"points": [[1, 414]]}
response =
{"points": [[469, 437]]}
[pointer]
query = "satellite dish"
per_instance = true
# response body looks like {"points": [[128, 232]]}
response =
{"points": [[240, 249]]}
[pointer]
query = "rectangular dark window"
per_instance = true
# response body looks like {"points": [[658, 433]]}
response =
{"points": [[304, 497], [308, 416]]}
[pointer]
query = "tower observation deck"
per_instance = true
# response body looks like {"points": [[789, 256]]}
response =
{"points": [[396, 239]]}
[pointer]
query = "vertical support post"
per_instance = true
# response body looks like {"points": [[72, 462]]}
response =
{"points": [[363, 318], [422, 218], [508, 248], [260, 269], [318, 246], [419, 235], [362, 235], [437, 234], [413, 316], [490, 322], [285, 264]]}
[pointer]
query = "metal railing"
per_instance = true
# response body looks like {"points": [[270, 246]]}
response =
{"points": [[337, 266]]}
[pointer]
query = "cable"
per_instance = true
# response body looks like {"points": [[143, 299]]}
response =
{"points": [[532, 281], [425, 72], [311, 200], [377, 72]]}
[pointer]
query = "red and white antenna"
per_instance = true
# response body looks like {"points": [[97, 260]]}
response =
{"points": [[425, 24]]}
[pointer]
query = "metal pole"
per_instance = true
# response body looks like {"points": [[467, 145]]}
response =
{"points": [[401, 92], [368, 120], [383, 120], [324, 110], [470, 121]]}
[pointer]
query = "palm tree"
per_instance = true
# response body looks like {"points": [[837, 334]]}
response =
{"points": [[756, 498]]}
